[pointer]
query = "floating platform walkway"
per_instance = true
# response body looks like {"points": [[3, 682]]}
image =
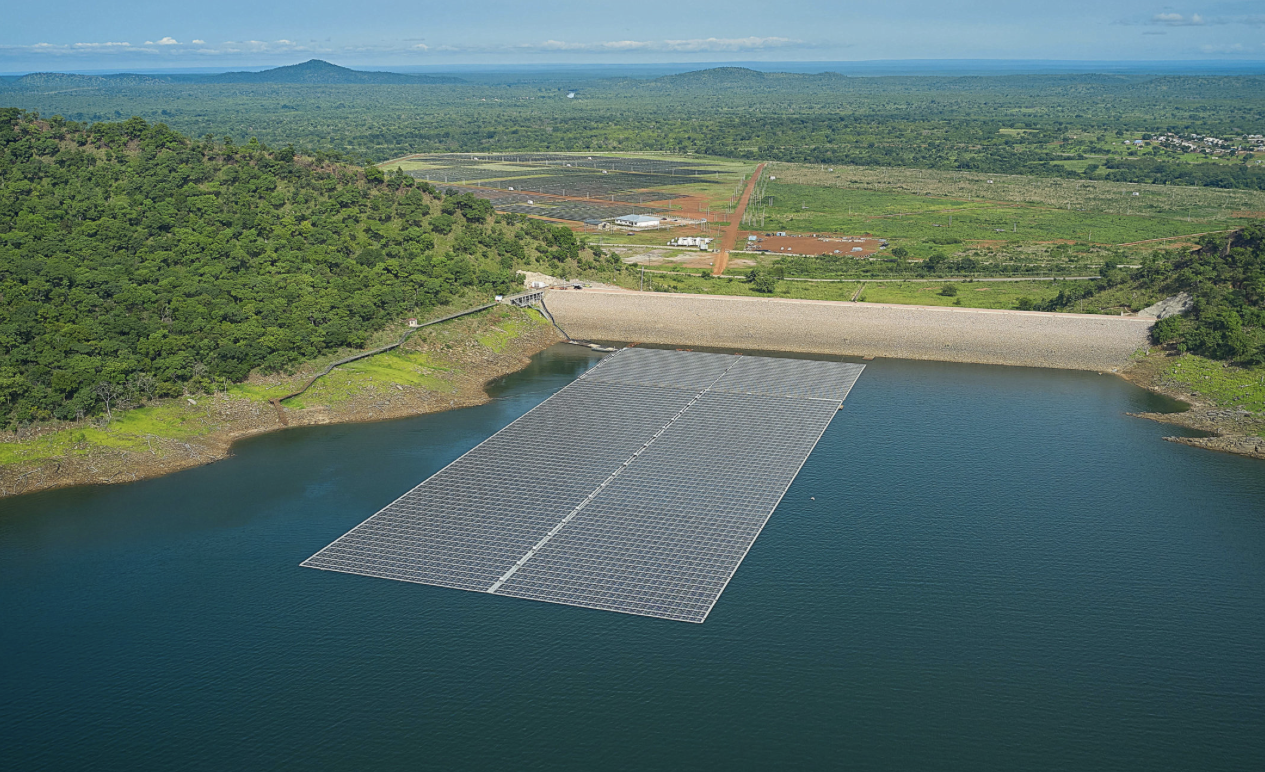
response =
{"points": [[638, 488]]}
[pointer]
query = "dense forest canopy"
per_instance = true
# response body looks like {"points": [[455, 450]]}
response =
{"points": [[1050, 125], [133, 256], [1226, 278]]}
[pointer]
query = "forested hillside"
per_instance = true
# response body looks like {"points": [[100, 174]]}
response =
{"points": [[137, 261], [1071, 126], [1226, 278]]}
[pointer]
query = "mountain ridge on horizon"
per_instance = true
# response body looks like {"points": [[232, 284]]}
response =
{"points": [[317, 72]]}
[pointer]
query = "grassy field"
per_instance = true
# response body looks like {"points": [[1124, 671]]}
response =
{"points": [[682, 281], [1097, 196], [1227, 386], [969, 294], [907, 217]]}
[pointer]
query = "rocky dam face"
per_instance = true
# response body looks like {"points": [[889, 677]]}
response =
{"points": [[983, 336]]}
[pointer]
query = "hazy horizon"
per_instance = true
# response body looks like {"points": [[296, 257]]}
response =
{"points": [[860, 67], [79, 35]]}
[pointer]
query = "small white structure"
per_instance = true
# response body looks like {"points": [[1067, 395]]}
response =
{"points": [[690, 241], [637, 221], [412, 322]]}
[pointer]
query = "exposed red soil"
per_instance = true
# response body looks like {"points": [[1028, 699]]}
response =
{"points": [[821, 244], [730, 236]]}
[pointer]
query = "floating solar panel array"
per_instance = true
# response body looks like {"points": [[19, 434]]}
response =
{"points": [[638, 488]]}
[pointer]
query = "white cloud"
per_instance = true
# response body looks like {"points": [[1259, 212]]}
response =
{"points": [[1227, 48], [1177, 20], [695, 45], [169, 47]]}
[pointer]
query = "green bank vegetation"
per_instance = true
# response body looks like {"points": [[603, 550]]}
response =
{"points": [[427, 362], [997, 294], [1228, 387], [137, 263]]}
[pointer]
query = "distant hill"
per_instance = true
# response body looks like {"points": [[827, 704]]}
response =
{"points": [[321, 73], [314, 72], [60, 81], [716, 74], [739, 76]]}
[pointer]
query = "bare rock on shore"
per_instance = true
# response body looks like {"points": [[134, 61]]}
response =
{"points": [[1170, 306], [1233, 430]]}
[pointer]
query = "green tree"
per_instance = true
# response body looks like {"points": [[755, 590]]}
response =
{"points": [[762, 280]]}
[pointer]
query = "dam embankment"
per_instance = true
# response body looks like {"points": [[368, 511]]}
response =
{"points": [[951, 334]]}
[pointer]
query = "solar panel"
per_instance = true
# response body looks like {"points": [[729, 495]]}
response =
{"points": [[638, 488]]}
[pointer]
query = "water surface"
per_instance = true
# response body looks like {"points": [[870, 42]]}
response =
{"points": [[979, 568]]}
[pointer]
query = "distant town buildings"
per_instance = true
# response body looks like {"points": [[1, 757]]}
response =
{"points": [[1198, 143]]}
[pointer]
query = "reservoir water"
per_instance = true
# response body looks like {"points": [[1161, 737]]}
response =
{"points": [[979, 568]]}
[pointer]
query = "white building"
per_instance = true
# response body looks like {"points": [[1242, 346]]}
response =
{"points": [[690, 241], [637, 221]]}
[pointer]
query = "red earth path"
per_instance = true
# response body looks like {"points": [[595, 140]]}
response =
{"points": [[730, 237]]}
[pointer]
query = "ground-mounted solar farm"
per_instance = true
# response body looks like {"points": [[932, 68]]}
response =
{"points": [[586, 188]]}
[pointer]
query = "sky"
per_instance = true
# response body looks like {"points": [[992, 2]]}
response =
{"points": [[75, 35]]}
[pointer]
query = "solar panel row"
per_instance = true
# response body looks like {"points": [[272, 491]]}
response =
{"points": [[638, 488]]}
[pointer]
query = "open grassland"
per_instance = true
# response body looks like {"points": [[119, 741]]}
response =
{"points": [[969, 294], [1098, 196], [682, 281], [909, 217], [1228, 387]]}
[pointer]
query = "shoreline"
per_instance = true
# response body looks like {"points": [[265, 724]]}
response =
{"points": [[1233, 431], [473, 363], [456, 374], [1092, 342]]}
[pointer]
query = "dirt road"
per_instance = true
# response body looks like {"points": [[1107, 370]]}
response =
{"points": [[730, 237]]}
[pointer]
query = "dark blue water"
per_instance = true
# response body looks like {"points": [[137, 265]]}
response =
{"points": [[999, 571]]}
